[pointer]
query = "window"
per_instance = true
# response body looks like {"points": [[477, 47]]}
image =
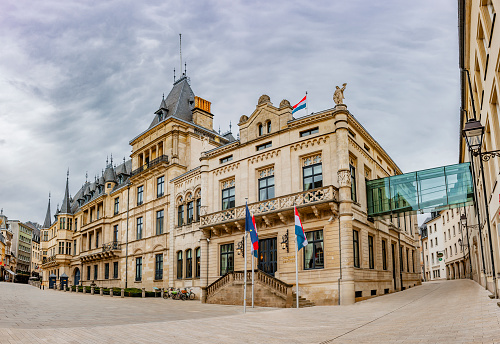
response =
{"points": [[198, 209], [159, 186], [355, 241], [226, 258], [96, 239], [309, 132], [180, 215], [266, 184], [454, 234], [106, 271], [432, 245], [139, 228], [189, 264], [74, 247], [384, 255], [159, 222], [117, 205], [264, 146], [407, 260], [198, 263], [455, 248], [436, 241], [226, 159], [352, 169], [95, 272], [140, 191], [76, 224], [313, 252], [68, 248], [88, 273], [190, 212], [159, 266], [371, 258], [401, 258], [313, 174], [115, 233], [228, 195], [61, 247], [261, 130], [179, 265], [444, 237], [115, 269], [138, 269], [268, 127], [449, 234]]}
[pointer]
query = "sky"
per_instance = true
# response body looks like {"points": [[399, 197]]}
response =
{"points": [[80, 79]]}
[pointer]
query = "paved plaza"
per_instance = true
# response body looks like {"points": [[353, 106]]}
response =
{"points": [[456, 311]]}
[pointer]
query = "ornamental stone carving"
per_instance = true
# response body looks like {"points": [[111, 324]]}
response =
{"points": [[264, 99], [338, 96], [243, 119], [284, 103], [344, 178]]}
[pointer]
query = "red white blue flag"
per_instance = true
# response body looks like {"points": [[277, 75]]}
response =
{"points": [[300, 105], [299, 231], [252, 229]]}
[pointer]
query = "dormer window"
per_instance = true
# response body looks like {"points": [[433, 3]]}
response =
{"points": [[269, 127], [261, 130]]}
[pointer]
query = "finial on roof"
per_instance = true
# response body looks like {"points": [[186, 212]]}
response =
{"points": [[67, 174], [163, 96], [1, 211], [111, 158], [219, 129], [230, 127], [86, 176], [238, 136], [185, 68], [107, 160], [49, 195], [123, 159], [174, 74], [180, 50]]}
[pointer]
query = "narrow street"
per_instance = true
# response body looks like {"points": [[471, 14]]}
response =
{"points": [[456, 311]]}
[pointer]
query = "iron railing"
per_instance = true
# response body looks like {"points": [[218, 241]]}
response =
{"points": [[158, 160], [110, 246]]}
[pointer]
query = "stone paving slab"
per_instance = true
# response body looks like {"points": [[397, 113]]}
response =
{"points": [[436, 312]]}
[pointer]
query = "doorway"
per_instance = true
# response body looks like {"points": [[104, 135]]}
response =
{"points": [[77, 277], [268, 256]]}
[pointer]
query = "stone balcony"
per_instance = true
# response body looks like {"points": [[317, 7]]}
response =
{"points": [[108, 250], [313, 202]]}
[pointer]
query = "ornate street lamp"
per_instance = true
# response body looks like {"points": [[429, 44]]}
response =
{"points": [[284, 242], [473, 132], [241, 247]]}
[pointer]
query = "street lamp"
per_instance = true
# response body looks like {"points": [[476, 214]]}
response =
{"points": [[473, 132], [284, 242], [241, 247]]}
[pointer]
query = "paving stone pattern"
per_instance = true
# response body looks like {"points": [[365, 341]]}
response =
{"points": [[458, 311]]}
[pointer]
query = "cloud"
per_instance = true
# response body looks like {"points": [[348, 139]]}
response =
{"points": [[80, 79]]}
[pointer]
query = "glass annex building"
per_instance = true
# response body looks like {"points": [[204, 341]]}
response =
{"points": [[427, 190]]}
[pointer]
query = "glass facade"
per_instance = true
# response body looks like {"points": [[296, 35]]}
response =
{"points": [[427, 190]]}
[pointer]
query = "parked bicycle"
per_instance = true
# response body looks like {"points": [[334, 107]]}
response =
{"points": [[189, 293], [167, 293]]}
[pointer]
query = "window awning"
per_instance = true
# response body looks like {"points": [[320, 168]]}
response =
{"points": [[10, 272]]}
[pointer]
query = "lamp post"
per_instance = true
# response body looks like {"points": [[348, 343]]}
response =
{"points": [[241, 247], [473, 132], [284, 242], [463, 222]]}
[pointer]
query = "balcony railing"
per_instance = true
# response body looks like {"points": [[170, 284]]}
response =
{"points": [[158, 160], [311, 197], [110, 246]]}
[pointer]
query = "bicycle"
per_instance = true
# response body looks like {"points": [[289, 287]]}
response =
{"points": [[189, 294]]}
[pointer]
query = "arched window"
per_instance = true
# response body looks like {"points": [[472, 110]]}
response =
{"points": [[198, 262], [179, 265], [268, 127], [261, 130], [189, 264]]}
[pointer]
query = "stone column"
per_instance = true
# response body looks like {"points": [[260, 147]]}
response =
{"points": [[143, 292], [204, 268], [347, 295]]}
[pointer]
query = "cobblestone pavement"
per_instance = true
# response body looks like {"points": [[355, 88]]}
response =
{"points": [[436, 312]]}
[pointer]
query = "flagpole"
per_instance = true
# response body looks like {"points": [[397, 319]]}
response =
{"points": [[245, 278], [252, 277], [307, 111], [297, 269]]}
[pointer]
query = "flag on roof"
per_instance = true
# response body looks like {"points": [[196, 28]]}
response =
{"points": [[299, 231], [300, 105], [252, 229]]}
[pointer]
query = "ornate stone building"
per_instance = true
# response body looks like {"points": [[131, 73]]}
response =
{"points": [[173, 215]]}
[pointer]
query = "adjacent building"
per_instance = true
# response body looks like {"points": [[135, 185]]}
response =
{"points": [[9, 262], [173, 215], [479, 48], [437, 267], [424, 249], [21, 245]]}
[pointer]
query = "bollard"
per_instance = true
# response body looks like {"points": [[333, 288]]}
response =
{"points": [[143, 292], [65, 288], [92, 289], [84, 290], [102, 291], [162, 292], [123, 292], [111, 292], [70, 289]]}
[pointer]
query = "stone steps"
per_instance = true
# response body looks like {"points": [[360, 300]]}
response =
{"points": [[303, 302]]}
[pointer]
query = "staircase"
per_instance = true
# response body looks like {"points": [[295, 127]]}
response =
{"points": [[269, 291], [303, 302]]}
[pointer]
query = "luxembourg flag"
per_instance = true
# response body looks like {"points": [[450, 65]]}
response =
{"points": [[299, 231], [300, 105], [252, 228]]}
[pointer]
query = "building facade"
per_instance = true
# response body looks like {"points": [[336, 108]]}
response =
{"points": [[479, 47], [437, 267], [424, 249], [174, 214], [9, 264], [454, 244], [21, 245]]}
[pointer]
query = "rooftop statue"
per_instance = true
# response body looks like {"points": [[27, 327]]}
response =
{"points": [[338, 96]]}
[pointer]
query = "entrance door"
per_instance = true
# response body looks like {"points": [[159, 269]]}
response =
{"points": [[268, 256], [394, 266], [77, 276]]}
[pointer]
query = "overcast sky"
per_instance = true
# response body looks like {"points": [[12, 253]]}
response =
{"points": [[80, 79]]}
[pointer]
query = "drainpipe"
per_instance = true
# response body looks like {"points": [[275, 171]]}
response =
{"points": [[126, 240], [340, 262], [400, 262]]}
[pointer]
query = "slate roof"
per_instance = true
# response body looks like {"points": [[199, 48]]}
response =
{"points": [[179, 103], [47, 222], [66, 209]]}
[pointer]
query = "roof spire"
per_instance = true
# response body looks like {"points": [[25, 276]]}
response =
{"points": [[230, 126], [66, 207], [111, 158], [47, 222], [86, 176], [174, 75], [180, 50]]}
